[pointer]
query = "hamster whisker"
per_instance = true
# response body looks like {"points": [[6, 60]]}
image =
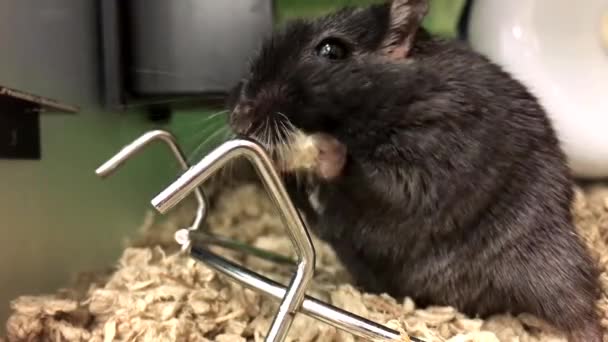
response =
{"points": [[285, 120], [271, 140], [199, 137], [158, 72], [204, 143], [202, 127], [288, 128], [287, 141], [228, 171], [266, 133], [177, 76], [256, 133], [229, 134], [211, 116], [282, 137]]}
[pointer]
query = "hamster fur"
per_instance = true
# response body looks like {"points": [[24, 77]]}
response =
{"points": [[432, 172]]}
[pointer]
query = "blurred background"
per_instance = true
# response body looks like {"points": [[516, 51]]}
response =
{"points": [[58, 217], [443, 17], [132, 66]]}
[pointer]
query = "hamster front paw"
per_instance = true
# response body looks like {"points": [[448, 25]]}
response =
{"points": [[331, 158]]}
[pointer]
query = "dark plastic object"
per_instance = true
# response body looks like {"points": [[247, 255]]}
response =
{"points": [[20, 122], [159, 51], [463, 23], [193, 46]]}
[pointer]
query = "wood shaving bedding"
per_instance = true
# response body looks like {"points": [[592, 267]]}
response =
{"points": [[155, 293]]}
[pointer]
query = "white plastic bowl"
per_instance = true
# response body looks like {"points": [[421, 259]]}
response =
{"points": [[556, 48]]}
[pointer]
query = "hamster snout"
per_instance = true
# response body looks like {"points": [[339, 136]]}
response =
{"points": [[238, 119], [293, 150]]}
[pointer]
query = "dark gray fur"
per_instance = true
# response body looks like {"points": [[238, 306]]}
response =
{"points": [[455, 191]]}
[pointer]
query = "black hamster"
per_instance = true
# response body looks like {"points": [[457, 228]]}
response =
{"points": [[431, 171]]}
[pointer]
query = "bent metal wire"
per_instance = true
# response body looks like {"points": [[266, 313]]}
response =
{"points": [[292, 298]]}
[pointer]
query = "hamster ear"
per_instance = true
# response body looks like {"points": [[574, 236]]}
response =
{"points": [[406, 16]]}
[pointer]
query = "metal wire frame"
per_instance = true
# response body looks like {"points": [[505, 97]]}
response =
{"points": [[119, 159], [293, 298]]}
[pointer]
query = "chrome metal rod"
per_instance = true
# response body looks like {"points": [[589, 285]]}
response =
{"points": [[127, 152], [311, 307], [297, 232]]}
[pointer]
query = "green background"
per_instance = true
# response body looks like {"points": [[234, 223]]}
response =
{"points": [[442, 17]]}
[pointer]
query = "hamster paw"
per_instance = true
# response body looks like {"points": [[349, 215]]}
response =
{"points": [[331, 158]]}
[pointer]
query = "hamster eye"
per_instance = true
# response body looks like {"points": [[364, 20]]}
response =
{"points": [[332, 49]]}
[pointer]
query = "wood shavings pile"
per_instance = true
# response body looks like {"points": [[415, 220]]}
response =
{"points": [[155, 293]]}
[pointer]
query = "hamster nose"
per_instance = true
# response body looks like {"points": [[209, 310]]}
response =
{"points": [[240, 118]]}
